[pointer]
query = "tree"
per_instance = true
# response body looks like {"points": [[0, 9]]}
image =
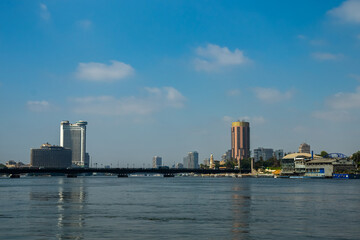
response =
{"points": [[230, 164], [356, 157], [323, 153], [245, 164], [203, 166]]}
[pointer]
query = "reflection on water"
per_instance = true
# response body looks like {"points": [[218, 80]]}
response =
{"points": [[241, 202], [67, 202]]}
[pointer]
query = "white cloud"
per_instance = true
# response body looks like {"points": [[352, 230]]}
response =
{"points": [[234, 92], [213, 57], [99, 72], [348, 11], [323, 56], [333, 115], [84, 24], [156, 99], [44, 12], [38, 106], [272, 95], [341, 107], [355, 76], [344, 101]]}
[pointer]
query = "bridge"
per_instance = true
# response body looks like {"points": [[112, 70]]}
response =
{"points": [[119, 171]]}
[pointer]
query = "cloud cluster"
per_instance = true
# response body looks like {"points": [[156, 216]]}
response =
{"points": [[272, 95], [345, 101], [99, 72], [348, 11], [38, 106], [324, 56], [156, 99], [341, 107], [213, 57]]}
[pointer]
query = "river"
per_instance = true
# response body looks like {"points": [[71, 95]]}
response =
{"points": [[178, 208]]}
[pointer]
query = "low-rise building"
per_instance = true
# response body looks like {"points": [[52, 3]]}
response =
{"points": [[48, 156], [326, 167], [294, 163]]}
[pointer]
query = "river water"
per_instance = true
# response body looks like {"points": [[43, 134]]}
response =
{"points": [[178, 208]]}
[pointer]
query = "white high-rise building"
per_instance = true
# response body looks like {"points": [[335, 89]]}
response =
{"points": [[73, 136], [157, 162]]}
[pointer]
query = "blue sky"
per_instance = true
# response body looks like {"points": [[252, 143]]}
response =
{"points": [[168, 77]]}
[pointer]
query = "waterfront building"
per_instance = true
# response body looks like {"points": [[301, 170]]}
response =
{"points": [[191, 160], [157, 162], [49, 156], [294, 163], [240, 140], [304, 148], [279, 154], [263, 153], [73, 136], [326, 167]]}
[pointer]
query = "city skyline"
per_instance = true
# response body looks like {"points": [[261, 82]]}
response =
{"points": [[173, 78]]}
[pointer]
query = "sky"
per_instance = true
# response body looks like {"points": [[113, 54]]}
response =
{"points": [[168, 77]]}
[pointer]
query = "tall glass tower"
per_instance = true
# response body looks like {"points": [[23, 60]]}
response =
{"points": [[73, 136]]}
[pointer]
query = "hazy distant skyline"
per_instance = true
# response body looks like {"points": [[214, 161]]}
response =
{"points": [[168, 77]]}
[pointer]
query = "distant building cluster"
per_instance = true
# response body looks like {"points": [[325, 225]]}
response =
{"points": [[70, 153], [14, 164], [267, 153]]}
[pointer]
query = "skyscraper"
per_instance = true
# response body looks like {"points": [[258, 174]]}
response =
{"points": [[240, 140], [73, 136], [191, 160], [157, 162]]}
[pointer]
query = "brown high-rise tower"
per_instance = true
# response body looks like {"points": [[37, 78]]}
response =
{"points": [[240, 140]]}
